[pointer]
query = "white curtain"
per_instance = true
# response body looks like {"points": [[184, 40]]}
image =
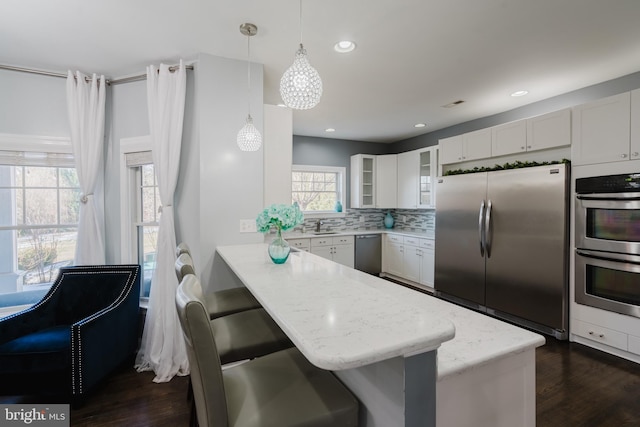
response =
{"points": [[163, 349], [85, 107]]}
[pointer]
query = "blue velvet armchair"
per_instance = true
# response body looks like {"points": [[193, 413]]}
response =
{"points": [[83, 328]]}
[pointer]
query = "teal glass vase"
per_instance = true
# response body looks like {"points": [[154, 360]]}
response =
{"points": [[279, 249], [388, 220]]}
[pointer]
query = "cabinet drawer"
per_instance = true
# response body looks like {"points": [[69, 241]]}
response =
{"points": [[343, 240], [413, 241], [321, 241], [394, 238], [299, 243], [428, 244], [600, 334]]}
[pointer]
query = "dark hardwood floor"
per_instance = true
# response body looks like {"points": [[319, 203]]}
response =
{"points": [[576, 387]]}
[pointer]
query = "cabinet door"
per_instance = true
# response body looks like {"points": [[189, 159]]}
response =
{"points": [[408, 167], [344, 254], [427, 176], [323, 251], [549, 130], [363, 181], [476, 145], [302, 244], [428, 265], [451, 150], [601, 130], [412, 262], [509, 138], [635, 125], [386, 181], [394, 258]]}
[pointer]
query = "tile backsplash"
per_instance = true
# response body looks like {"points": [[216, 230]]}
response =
{"points": [[373, 219]]}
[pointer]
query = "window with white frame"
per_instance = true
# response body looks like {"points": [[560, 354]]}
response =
{"points": [[317, 189], [145, 201], [39, 208]]}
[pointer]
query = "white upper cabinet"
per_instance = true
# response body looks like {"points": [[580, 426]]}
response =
{"points": [[537, 133], [509, 138], [408, 170], [428, 172], [363, 180], [469, 146], [549, 130], [601, 131], [417, 172], [386, 181], [476, 144]]}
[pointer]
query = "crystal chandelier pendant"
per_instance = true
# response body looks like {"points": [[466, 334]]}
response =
{"points": [[300, 85], [249, 138]]}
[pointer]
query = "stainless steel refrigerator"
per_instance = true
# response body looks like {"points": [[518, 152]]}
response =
{"points": [[501, 244]]}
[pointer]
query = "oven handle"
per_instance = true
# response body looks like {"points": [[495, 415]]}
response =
{"points": [[609, 196], [609, 256]]}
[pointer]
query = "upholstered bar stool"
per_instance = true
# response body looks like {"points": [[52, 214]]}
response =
{"points": [[243, 335], [281, 389], [219, 303]]}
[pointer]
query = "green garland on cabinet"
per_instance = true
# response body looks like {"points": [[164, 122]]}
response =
{"points": [[516, 165]]}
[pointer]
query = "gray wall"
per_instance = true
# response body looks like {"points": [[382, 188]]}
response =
{"points": [[32, 104], [314, 151], [570, 99]]}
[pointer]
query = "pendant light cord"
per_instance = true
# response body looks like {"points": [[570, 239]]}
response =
{"points": [[300, 23], [249, 73]]}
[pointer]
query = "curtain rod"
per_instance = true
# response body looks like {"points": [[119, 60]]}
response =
{"points": [[64, 76]]}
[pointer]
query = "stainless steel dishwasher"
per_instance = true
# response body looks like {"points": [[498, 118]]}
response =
{"points": [[369, 253]]}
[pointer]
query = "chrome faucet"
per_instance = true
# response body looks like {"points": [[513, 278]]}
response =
{"points": [[318, 224]]}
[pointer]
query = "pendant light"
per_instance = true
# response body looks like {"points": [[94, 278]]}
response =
{"points": [[300, 85], [249, 138]]}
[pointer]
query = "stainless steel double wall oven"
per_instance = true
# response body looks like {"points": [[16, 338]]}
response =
{"points": [[607, 231]]}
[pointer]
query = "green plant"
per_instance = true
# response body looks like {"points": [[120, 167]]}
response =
{"points": [[515, 165]]}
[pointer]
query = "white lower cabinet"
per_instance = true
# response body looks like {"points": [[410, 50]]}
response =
{"points": [[409, 258], [338, 248], [302, 244], [428, 255], [600, 334]]}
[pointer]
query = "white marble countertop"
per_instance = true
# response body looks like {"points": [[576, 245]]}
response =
{"points": [[338, 317], [359, 318], [310, 234]]}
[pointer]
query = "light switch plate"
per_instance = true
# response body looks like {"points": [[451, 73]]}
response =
{"points": [[248, 226]]}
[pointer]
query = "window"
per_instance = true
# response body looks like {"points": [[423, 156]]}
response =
{"points": [[317, 189], [39, 207], [147, 223]]}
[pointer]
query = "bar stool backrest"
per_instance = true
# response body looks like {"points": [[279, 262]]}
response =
{"points": [[204, 361]]}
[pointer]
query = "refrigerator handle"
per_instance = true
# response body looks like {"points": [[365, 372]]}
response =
{"points": [[487, 230], [481, 228]]}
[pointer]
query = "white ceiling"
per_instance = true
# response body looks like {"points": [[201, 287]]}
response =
{"points": [[413, 56]]}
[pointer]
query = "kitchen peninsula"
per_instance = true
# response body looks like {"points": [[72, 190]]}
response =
{"points": [[395, 347]]}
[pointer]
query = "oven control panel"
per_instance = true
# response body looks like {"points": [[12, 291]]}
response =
{"points": [[624, 183]]}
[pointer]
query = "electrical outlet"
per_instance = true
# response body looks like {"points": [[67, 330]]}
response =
{"points": [[404, 218], [361, 218], [248, 226]]}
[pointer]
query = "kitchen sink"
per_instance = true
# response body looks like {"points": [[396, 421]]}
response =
{"points": [[317, 233]]}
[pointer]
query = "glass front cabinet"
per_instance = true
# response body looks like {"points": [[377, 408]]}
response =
{"points": [[363, 178], [427, 177]]}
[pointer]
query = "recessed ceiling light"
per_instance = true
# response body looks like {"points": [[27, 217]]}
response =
{"points": [[520, 93], [344, 46], [329, 130], [419, 125]]}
